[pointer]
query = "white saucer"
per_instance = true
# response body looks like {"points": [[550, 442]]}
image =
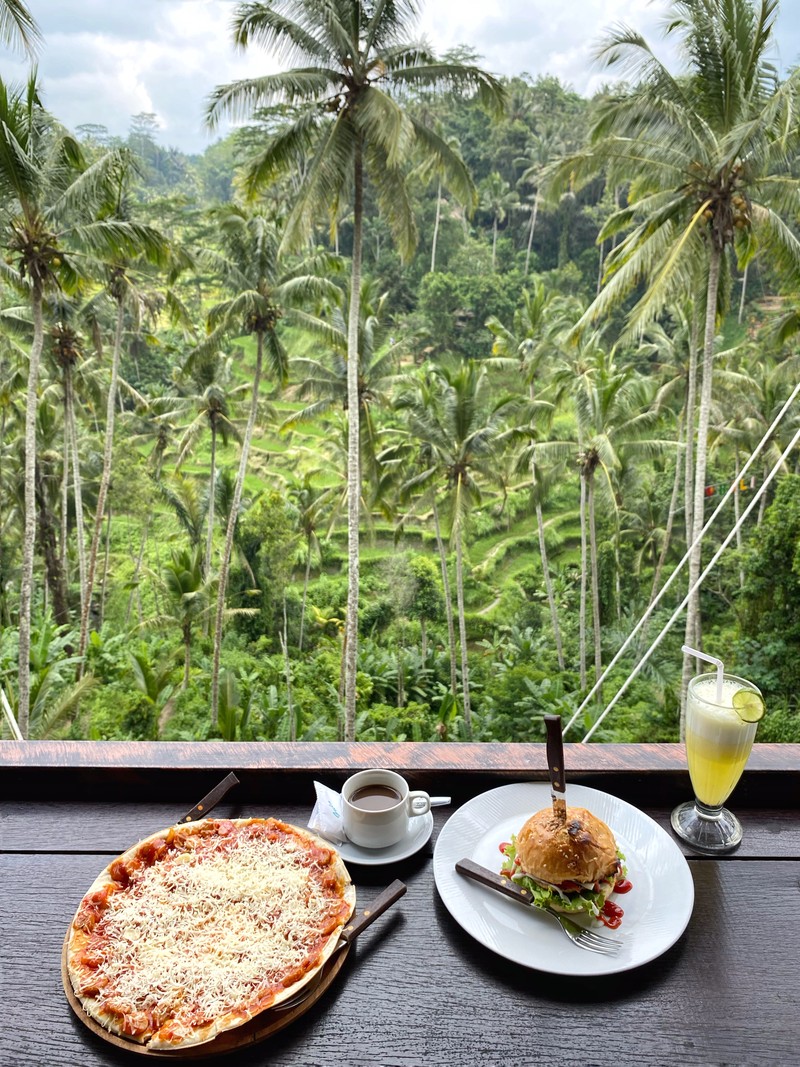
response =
{"points": [[419, 832]]}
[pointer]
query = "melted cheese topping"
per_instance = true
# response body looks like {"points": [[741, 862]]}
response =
{"points": [[217, 926]]}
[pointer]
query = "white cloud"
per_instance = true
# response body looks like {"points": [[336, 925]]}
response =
{"points": [[104, 62]]}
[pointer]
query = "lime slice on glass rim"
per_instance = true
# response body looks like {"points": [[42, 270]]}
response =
{"points": [[748, 705]]}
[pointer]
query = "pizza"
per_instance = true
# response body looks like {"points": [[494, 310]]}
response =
{"points": [[198, 928]]}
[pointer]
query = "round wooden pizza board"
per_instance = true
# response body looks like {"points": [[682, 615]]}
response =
{"points": [[264, 1025]]}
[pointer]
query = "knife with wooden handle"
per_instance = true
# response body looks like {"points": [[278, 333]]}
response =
{"points": [[210, 800], [500, 882], [555, 765]]}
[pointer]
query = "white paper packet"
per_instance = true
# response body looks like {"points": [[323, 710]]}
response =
{"points": [[326, 818]]}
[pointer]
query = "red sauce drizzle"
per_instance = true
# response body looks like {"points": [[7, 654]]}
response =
{"points": [[623, 886], [611, 915]]}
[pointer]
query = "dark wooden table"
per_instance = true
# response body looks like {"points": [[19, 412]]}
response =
{"points": [[417, 989]]}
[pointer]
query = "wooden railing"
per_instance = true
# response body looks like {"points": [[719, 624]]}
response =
{"points": [[41, 769]]}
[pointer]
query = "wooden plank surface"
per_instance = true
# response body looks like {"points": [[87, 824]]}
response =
{"points": [[80, 827], [418, 990]]}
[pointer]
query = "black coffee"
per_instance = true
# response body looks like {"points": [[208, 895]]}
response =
{"points": [[375, 797]]}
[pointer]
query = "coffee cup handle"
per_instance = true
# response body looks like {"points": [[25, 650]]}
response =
{"points": [[419, 803]]}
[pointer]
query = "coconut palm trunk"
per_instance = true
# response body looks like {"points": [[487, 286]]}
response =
{"points": [[582, 607], [693, 620], [227, 551], [353, 455], [598, 665], [534, 213], [77, 482], [462, 633], [548, 584], [436, 225], [212, 487], [62, 538], [48, 545], [673, 505], [29, 537], [306, 577], [105, 480], [448, 603]]}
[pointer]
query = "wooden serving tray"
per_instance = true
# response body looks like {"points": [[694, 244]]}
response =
{"points": [[259, 1028]]}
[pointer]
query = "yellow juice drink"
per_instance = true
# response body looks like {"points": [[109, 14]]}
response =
{"points": [[718, 742]]}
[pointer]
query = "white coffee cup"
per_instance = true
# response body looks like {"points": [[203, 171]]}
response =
{"points": [[377, 805]]}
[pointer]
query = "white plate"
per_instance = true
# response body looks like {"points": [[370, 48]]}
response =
{"points": [[420, 829], [657, 909]]}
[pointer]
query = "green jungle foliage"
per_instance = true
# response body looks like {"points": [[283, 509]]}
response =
{"points": [[496, 420]]}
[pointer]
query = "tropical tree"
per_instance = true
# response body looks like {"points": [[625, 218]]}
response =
{"points": [[531, 344], [460, 426], [18, 27], [150, 246], [54, 207], [67, 350], [187, 598], [542, 148], [705, 155], [615, 416], [311, 501], [211, 401], [249, 267], [350, 55], [497, 198], [326, 379]]}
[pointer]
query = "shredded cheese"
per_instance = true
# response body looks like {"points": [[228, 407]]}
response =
{"points": [[212, 928]]}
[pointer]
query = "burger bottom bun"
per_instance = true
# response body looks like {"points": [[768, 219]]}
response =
{"points": [[580, 849]]}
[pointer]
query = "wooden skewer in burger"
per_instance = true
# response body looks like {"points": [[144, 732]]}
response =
{"points": [[566, 857]]}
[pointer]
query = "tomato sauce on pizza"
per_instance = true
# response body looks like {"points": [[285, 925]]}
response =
{"points": [[200, 927]]}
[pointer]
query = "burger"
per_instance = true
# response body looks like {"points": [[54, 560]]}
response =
{"points": [[569, 863]]}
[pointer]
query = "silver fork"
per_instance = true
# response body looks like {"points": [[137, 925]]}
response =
{"points": [[578, 935]]}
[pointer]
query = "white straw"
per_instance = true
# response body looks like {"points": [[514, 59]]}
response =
{"points": [[708, 659]]}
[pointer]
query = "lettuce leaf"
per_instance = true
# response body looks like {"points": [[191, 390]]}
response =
{"points": [[586, 901]]}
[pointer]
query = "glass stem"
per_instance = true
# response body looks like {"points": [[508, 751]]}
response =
{"points": [[705, 811]]}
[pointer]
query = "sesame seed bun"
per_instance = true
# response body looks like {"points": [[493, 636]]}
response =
{"points": [[582, 849]]}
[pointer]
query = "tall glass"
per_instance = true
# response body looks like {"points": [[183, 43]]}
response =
{"points": [[718, 743]]}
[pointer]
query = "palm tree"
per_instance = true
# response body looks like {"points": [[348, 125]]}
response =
{"points": [[530, 344], [67, 349], [326, 381], [51, 203], [350, 55], [18, 27], [187, 598], [459, 425], [311, 501], [543, 147], [615, 413], [497, 198], [212, 399], [249, 267], [126, 296], [706, 158]]}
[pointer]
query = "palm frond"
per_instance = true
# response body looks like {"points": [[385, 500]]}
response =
{"points": [[327, 181]]}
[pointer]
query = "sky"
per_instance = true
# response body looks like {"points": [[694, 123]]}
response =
{"points": [[103, 62]]}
